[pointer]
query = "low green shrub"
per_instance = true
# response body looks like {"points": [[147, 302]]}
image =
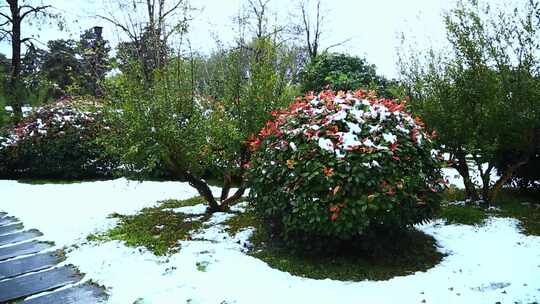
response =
{"points": [[57, 141], [340, 167]]}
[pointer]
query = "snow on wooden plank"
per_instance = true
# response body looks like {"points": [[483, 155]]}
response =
{"points": [[12, 268], [10, 228], [22, 249], [8, 220], [34, 283], [19, 237], [82, 294]]}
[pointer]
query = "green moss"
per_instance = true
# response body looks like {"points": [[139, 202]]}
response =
{"points": [[201, 266], [466, 215], [180, 203], [240, 222], [157, 228], [522, 206], [454, 194], [417, 252], [519, 204]]}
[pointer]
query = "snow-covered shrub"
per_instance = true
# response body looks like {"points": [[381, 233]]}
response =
{"points": [[339, 166], [59, 140]]}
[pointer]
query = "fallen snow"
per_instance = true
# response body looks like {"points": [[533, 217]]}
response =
{"points": [[193, 210], [67, 213], [488, 264]]}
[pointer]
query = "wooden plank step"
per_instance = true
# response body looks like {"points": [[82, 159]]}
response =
{"points": [[23, 249], [82, 294], [8, 220], [19, 237], [11, 228], [40, 261], [34, 283]]}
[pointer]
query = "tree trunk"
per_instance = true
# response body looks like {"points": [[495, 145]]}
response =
{"points": [[508, 173], [204, 190], [486, 179], [463, 170], [235, 197], [15, 83], [227, 181], [533, 142]]}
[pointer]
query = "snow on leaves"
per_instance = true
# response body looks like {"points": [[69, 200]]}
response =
{"points": [[342, 123]]}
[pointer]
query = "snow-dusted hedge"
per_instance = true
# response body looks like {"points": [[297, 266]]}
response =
{"points": [[338, 166], [57, 141]]}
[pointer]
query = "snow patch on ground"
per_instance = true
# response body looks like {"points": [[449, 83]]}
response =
{"points": [[67, 213], [486, 264], [193, 210]]}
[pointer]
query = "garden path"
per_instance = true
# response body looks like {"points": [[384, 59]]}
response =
{"points": [[32, 272]]}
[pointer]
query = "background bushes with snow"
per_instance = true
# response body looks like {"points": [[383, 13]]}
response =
{"points": [[59, 140]]}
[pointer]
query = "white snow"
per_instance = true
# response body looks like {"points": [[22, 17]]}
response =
{"points": [[194, 210], [487, 264], [66, 214]]}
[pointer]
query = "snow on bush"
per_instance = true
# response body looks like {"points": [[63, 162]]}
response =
{"points": [[57, 140], [338, 166]]}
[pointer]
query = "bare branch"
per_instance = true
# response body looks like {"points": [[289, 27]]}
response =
{"points": [[6, 32], [32, 10], [119, 25], [6, 16], [337, 44], [165, 14]]}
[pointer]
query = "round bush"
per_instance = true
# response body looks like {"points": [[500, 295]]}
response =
{"points": [[342, 166], [57, 141]]}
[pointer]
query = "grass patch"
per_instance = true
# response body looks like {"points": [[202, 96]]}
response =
{"points": [[241, 221], [521, 205], [158, 228], [415, 251], [466, 215]]}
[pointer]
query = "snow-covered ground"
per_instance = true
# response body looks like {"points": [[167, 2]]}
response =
{"points": [[488, 264]]}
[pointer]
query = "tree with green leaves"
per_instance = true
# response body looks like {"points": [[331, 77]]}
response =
{"points": [[173, 127], [484, 95], [149, 25], [95, 61], [12, 17], [61, 65], [340, 72], [199, 113], [4, 77]]}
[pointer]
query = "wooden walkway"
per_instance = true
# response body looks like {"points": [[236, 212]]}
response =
{"points": [[30, 271]]}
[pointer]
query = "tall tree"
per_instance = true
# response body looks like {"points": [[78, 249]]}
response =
{"points": [[95, 61], [149, 25], [340, 72], [311, 27], [483, 93], [12, 17], [61, 66]]}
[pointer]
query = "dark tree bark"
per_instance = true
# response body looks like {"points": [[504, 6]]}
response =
{"points": [[18, 12], [204, 190], [463, 168]]}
